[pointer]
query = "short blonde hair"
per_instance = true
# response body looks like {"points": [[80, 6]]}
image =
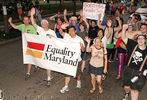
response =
{"points": [[98, 38]]}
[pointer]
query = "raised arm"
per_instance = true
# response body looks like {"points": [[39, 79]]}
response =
{"points": [[65, 13], [88, 49], [64, 26], [99, 23], [117, 35], [124, 37], [32, 18], [85, 20], [10, 21], [109, 30], [53, 17], [117, 29], [55, 27]]}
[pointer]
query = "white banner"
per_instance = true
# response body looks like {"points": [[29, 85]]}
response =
{"points": [[91, 10], [51, 53]]}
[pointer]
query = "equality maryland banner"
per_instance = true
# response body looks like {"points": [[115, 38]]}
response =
{"points": [[91, 10], [51, 53]]}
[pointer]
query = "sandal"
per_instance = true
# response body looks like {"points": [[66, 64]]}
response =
{"points": [[100, 90], [92, 91]]}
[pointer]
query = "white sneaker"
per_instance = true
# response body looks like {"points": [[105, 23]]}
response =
{"points": [[65, 88], [78, 84]]}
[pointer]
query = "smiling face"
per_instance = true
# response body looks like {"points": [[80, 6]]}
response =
{"points": [[130, 28], [97, 42], [72, 32], [143, 29], [93, 23], [100, 33], [26, 20], [59, 21], [141, 40], [44, 24]]}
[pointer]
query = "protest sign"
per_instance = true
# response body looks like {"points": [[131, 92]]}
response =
{"points": [[91, 10], [51, 53]]}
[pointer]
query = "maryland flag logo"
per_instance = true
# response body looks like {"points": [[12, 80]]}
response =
{"points": [[35, 49]]}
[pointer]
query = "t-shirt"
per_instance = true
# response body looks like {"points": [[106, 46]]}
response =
{"points": [[110, 39], [97, 60], [92, 32], [138, 56], [41, 31], [77, 27], [76, 39], [30, 29]]}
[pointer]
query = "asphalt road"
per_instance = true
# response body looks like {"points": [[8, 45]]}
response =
{"points": [[12, 81]]}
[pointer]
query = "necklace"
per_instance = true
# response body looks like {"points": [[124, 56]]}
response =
{"points": [[98, 48]]}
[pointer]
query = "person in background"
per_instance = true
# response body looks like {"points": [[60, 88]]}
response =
{"points": [[72, 21], [82, 33], [55, 17], [25, 28], [58, 26], [38, 16]]}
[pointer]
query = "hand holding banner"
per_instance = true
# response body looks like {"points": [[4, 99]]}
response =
{"points": [[51, 53]]}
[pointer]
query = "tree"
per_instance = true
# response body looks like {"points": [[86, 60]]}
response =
{"points": [[74, 9]]}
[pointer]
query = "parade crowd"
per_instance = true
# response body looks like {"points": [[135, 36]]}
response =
{"points": [[105, 40]]}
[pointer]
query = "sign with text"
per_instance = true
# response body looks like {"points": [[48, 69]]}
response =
{"points": [[91, 10], [51, 53]]}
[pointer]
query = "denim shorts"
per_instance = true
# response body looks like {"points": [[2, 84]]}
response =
{"points": [[84, 56], [95, 70]]}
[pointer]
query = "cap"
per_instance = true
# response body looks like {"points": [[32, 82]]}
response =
{"points": [[73, 18], [58, 13], [131, 25]]}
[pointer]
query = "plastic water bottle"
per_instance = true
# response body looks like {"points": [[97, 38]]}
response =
{"points": [[1, 95]]}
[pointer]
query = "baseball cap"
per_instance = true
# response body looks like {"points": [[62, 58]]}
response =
{"points": [[58, 13], [131, 25], [73, 18]]}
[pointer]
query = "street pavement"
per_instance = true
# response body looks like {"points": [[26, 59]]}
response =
{"points": [[15, 87]]}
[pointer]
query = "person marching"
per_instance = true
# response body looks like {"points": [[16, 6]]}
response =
{"points": [[43, 30], [24, 28], [134, 76], [98, 63], [71, 36]]}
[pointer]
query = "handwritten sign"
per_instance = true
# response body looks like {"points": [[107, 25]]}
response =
{"points": [[91, 10]]}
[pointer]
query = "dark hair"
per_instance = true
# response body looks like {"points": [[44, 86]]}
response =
{"points": [[137, 16], [118, 10], [143, 24], [83, 24], [60, 19], [100, 30], [93, 21], [26, 17], [145, 36], [71, 27]]}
